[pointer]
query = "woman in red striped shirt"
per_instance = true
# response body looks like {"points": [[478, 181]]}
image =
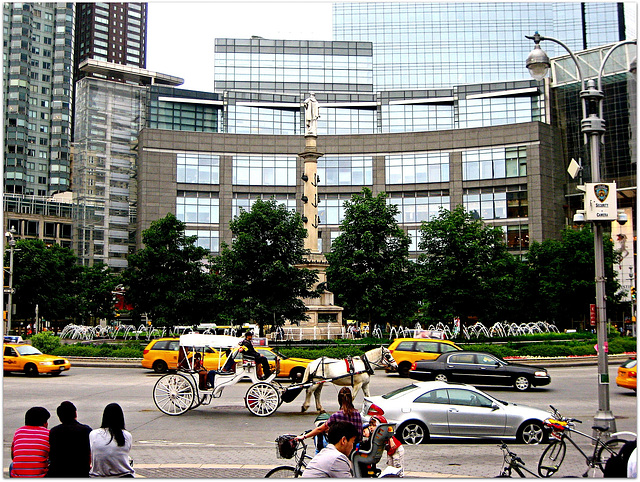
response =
{"points": [[30, 446]]}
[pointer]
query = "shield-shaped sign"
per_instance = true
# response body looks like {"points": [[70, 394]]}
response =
{"points": [[601, 191]]}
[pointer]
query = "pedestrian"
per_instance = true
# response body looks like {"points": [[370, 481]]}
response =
{"points": [[110, 445], [347, 413], [333, 460], [30, 446], [70, 454]]}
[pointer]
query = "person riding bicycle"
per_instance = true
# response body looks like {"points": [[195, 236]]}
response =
{"points": [[333, 460]]}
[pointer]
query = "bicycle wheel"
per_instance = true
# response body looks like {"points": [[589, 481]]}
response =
{"points": [[609, 449], [282, 472], [552, 458]]}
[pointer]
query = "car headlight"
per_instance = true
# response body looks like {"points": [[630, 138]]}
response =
{"points": [[45, 363], [540, 374]]}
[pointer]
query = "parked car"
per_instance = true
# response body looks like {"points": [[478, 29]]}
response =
{"points": [[162, 354], [406, 351], [28, 359], [425, 410], [628, 375], [479, 369]]}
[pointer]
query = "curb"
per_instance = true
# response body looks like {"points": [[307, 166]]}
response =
{"points": [[105, 362]]}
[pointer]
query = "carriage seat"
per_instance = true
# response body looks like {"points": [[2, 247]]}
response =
{"points": [[383, 432]]}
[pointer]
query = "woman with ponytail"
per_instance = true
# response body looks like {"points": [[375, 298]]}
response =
{"points": [[347, 413], [110, 445]]}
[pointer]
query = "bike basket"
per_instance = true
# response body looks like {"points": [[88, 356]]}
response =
{"points": [[286, 446], [556, 425]]}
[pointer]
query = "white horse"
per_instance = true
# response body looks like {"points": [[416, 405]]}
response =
{"points": [[353, 372]]}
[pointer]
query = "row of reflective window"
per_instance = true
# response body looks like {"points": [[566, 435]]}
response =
{"points": [[408, 168]]}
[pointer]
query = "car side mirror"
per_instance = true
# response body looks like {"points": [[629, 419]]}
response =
{"points": [[494, 407]]}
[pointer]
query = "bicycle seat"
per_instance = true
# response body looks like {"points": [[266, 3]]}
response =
{"points": [[383, 432], [600, 428]]}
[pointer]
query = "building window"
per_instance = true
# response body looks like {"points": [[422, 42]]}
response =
{"points": [[197, 208], [198, 168], [346, 171], [244, 201], [420, 167], [495, 163], [210, 240], [264, 170], [419, 206]]}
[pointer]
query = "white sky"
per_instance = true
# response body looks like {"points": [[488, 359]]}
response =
{"points": [[181, 35]]}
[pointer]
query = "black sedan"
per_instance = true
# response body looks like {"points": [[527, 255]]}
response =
{"points": [[479, 369]]}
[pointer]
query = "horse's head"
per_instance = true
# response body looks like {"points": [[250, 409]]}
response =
{"points": [[387, 358]]}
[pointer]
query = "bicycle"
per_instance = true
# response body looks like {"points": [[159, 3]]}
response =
{"points": [[513, 463], [561, 429], [288, 447]]}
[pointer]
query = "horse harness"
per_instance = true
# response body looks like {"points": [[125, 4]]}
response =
{"points": [[350, 365]]}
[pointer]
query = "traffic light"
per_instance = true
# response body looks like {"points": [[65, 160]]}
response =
{"points": [[633, 293]]}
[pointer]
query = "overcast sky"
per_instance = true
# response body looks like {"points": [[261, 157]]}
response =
{"points": [[181, 35]]}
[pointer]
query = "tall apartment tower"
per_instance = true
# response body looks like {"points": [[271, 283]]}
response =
{"points": [[38, 93], [110, 32]]}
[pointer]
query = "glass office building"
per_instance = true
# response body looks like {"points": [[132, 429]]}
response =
{"points": [[428, 45]]}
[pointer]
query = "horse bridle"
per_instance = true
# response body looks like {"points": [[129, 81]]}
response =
{"points": [[384, 360]]}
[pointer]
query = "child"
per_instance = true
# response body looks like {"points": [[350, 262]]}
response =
{"points": [[395, 450]]}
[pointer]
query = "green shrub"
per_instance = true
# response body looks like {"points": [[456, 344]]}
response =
{"points": [[45, 341], [127, 352]]}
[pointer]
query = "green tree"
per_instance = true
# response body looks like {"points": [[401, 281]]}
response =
{"points": [[258, 273], [369, 269], [95, 294], [466, 270], [167, 279], [562, 274], [45, 276]]}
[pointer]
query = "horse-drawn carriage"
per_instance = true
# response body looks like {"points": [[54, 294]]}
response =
{"points": [[176, 393]]}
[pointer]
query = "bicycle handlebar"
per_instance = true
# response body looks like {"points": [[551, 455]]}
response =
{"points": [[559, 416]]}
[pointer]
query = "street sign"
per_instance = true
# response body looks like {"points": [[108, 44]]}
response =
{"points": [[9, 290], [592, 314], [600, 201]]}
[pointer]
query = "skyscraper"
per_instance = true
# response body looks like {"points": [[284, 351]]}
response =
{"points": [[38, 92], [111, 32], [441, 44]]}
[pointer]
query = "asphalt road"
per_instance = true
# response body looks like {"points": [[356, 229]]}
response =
{"points": [[225, 440]]}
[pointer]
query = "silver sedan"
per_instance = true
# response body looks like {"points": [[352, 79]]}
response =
{"points": [[440, 409]]}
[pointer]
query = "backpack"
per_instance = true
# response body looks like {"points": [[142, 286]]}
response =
{"points": [[616, 466]]}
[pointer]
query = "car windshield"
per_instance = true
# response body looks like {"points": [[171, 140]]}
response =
{"points": [[280, 355], [399, 391], [28, 350], [629, 363]]}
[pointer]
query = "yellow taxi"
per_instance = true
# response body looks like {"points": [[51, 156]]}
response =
{"points": [[407, 351], [628, 375], [162, 354], [25, 358]]}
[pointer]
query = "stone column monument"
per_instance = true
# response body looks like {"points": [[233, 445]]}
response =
{"points": [[322, 307]]}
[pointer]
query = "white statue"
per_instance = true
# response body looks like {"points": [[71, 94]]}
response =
{"points": [[311, 114]]}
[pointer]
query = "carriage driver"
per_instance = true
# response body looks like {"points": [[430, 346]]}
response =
{"points": [[246, 346]]}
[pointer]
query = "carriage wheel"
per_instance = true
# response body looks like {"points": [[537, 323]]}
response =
{"points": [[173, 394], [262, 399]]}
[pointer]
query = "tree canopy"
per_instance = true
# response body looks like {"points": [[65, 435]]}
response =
{"points": [[168, 279], [466, 270], [369, 269], [260, 276]]}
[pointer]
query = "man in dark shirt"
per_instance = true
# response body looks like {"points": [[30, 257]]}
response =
{"points": [[70, 453], [250, 352]]}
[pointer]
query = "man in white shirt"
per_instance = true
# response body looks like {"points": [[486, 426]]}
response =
{"points": [[333, 460]]}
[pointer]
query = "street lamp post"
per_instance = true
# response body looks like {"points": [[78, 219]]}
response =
{"points": [[593, 128], [12, 245]]}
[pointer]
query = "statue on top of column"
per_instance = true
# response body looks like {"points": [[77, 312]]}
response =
{"points": [[311, 115]]}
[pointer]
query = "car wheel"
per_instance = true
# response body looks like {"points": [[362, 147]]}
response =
{"points": [[31, 370], [296, 374], [159, 366], [441, 377], [403, 369], [531, 433], [522, 383], [413, 433]]}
